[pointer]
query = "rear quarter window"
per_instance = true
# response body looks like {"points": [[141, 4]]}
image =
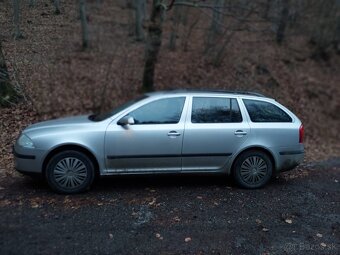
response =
{"points": [[260, 111]]}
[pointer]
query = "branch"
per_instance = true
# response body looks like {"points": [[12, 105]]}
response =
{"points": [[207, 6], [170, 5]]}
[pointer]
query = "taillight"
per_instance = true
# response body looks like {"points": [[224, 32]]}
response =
{"points": [[301, 133]]}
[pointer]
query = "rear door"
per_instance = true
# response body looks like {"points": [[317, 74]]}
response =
{"points": [[214, 130]]}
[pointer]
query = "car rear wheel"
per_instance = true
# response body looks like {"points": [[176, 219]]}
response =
{"points": [[70, 172], [253, 169]]}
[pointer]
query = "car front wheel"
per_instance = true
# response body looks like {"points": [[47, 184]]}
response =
{"points": [[70, 172], [253, 169]]}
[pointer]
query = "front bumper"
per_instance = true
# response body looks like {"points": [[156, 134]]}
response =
{"points": [[27, 160]]}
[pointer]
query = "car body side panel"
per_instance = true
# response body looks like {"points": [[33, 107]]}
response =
{"points": [[277, 139], [89, 136]]}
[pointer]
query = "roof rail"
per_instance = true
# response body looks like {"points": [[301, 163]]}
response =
{"points": [[217, 91]]}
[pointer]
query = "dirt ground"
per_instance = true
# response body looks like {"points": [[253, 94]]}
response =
{"points": [[297, 213]]}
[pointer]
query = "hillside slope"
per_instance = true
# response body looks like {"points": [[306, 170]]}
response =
{"points": [[57, 78]]}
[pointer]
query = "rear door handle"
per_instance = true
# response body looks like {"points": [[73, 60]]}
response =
{"points": [[240, 132], [173, 133]]}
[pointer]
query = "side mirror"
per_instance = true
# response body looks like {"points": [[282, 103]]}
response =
{"points": [[126, 120]]}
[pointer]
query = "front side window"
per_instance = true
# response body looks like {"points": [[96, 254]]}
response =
{"points": [[260, 111], [162, 111], [215, 110]]}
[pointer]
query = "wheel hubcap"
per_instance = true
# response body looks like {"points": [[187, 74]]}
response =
{"points": [[253, 170], [70, 172]]}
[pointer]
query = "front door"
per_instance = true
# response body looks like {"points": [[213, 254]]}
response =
{"points": [[153, 143]]}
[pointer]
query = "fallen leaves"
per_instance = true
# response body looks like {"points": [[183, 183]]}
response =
{"points": [[288, 217], [187, 239], [289, 221], [177, 219], [159, 236], [259, 222], [34, 205], [5, 202], [152, 202]]}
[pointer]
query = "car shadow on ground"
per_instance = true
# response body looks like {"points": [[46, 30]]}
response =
{"points": [[141, 182], [137, 182]]}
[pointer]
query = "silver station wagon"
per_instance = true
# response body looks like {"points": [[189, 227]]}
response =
{"points": [[246, 135]]}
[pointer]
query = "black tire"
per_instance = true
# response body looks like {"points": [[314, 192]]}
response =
{"points": [[252, 169], [70, 172]]}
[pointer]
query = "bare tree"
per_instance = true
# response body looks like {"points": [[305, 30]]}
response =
{"points": [[228, 35], [153, 43], [266, 9], [188, 32], [282, 22], [139, 18], [130, 5], [32, 3], [325, 27], [8, 94], [174, 29], [217, 16], [57, 7], [83, 20], [216, 24], [16, 19]]}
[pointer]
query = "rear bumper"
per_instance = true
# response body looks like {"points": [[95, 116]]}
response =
{"points": [[289, 159]]}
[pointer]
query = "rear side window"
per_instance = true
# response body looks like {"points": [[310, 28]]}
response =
{"points": [[260, 111], [162, 111], [215, 110]]}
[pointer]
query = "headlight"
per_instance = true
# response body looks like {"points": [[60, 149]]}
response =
{"points": [[25, 141]]}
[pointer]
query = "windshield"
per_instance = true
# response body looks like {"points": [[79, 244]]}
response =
{"points": [[104, 116]]}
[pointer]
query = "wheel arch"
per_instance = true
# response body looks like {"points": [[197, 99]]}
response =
{"points": [[258, 148], [75, 147]]}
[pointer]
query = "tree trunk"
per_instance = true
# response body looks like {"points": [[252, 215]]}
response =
{"points": [[174, 29], [139, 18], [57, 7], [280, 34], [217, 17], [7, 93], [130, 5], [153, 44], [83, 20], [267, 6], [32, 3], [187, 34], [16, 19], [215, 27]]}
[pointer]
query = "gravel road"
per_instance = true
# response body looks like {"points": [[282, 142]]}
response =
{"points": [[297, 213]]}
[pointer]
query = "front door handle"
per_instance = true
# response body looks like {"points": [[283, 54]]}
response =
{"points": [[173, 133], [240, 132]]}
